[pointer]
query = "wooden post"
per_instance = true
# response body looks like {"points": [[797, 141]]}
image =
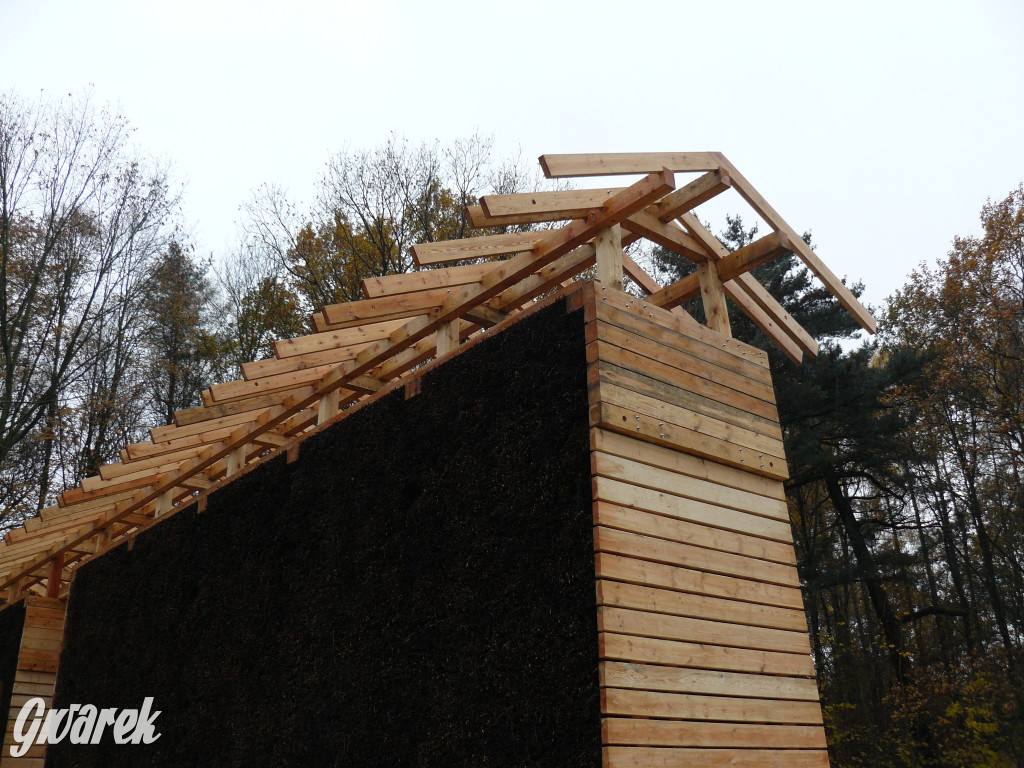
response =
{"points": [[53, 580], [236, 460], [447, 337], [328, 406], [608, 247], [712, 294], [164, 502]]}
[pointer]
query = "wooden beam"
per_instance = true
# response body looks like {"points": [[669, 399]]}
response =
{"points": [[773, 320], [424, 280], [712, 294], [745, 259], [336, 339], [809, 258], [608, 251], [558, 205], [693, 194], [504, 276], [447, 337], [671, 238], [626, 163], [485, 246]]}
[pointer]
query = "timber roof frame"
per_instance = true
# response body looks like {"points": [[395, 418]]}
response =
{"points": [[362, 347]]}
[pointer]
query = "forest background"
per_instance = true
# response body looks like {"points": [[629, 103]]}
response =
{"points": [[905, 451]]}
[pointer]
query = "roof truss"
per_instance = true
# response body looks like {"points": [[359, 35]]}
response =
{"points": [[361, 347]]}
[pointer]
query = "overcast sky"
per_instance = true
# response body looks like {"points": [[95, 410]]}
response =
{"points": [[881, 127]]}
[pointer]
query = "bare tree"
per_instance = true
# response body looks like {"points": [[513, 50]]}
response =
{"points": [[79, 212]]}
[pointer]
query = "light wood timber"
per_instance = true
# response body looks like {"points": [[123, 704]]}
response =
{"points": [[681, 529], [424, 280], [624, 377], [807, 256], [651, 677], [566, 204], [447, 337], [695, 343], [683, 733], [748, 284], [348, 337], [484, 246], [692, 441], [384, 309], [671, 238], [684, 706], [647, 310], [694, 557], [746, 258], [626, 163], [695, 193], [712, 295], [659, 757], [666, 483], [674, 369], [698, 606], [630, 567], [608, 252], [686, 357], [669, 414]]}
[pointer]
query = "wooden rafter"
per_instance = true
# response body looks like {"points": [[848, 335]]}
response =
{"points": [[360, 347]]}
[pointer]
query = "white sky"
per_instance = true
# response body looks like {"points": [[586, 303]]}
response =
{"points": [[882, 127]]}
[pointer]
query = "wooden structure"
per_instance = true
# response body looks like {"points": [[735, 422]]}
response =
{"points": [[703, 640]]}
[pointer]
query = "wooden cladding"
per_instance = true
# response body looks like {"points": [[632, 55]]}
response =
{"points": [[36, 675], [704, 652]]}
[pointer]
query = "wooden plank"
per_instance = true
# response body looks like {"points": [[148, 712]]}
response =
{"points": [[633, 648], [682, 733], [567, 204], [659, 757], [777, 314], [711, 354], [679, 371], [339, 339], [630, 422], [681, 463], [669, 481], [657, 526], [697, 558], [762, 319], [424, 280], [504, 276], [608, 252], [652, 677], [682, 508], [603, 373], [665, 627], [712, 295], [484, 246], [384, 309], [618, 594], [648, 226], [695, 193], [626, 163], [807, 256], [276, 366], [217, 410], [681, 417], [735, 264], [630, 567], [772, 319], [644, 308], [684, 706], [678, 367]]}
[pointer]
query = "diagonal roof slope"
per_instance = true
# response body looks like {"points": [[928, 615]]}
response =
{"points": [[363, 346]]}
